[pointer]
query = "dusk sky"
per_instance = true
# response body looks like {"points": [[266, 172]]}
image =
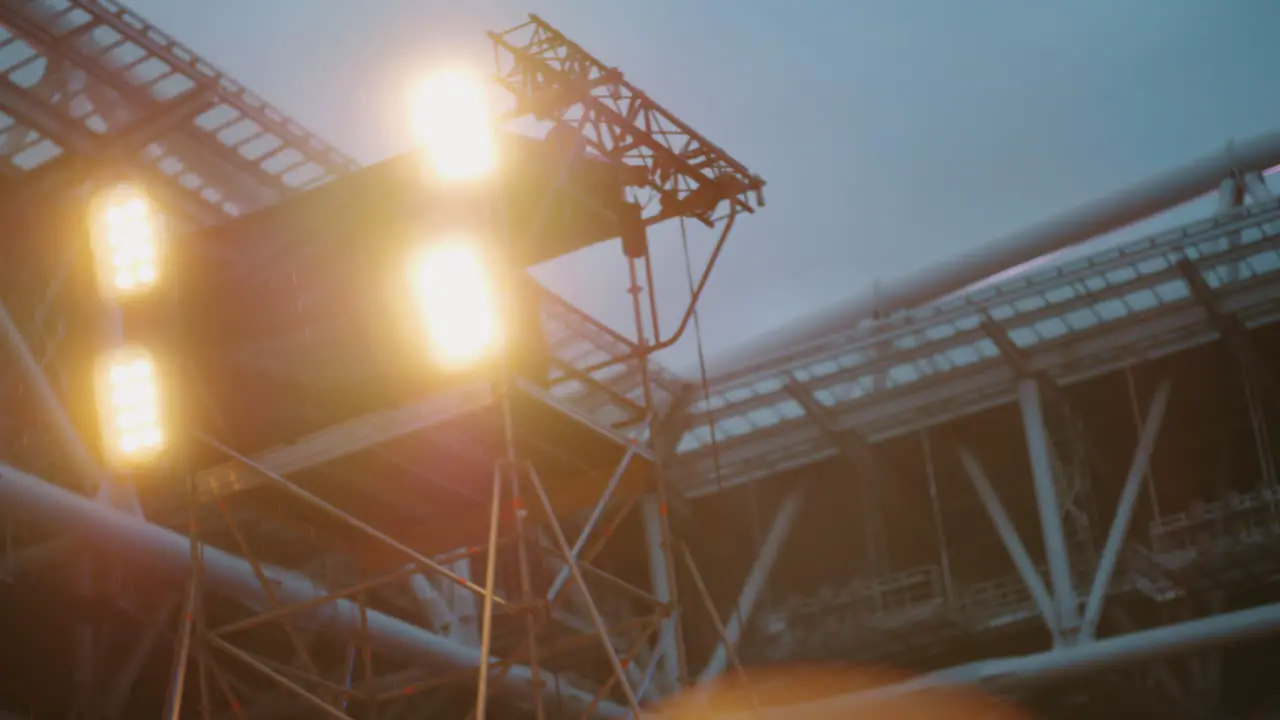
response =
{"points": [[893, 133]]}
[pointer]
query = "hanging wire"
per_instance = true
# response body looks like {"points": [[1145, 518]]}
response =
{"points": [[753, 502]]}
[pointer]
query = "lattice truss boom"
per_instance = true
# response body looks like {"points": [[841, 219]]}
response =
{"points": [[677, 171]]}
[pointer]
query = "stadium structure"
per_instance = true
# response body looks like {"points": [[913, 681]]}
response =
{"points": [[1055, 485]]}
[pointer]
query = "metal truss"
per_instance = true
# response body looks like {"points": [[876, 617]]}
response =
{"points": [[1184, 565], [1070, 322], [677, 171], [278, 616]]}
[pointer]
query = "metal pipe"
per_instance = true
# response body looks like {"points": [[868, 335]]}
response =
{"points": [[1124, 511], [182, 650], [1057, 665], [1022, 561], [602, 629], [86, 468], [1048, 503], [118, 694], [666, 646], [44, 503], [605, 498], [490, 573], [754, 585], [1067, 662], [1112, 212]]}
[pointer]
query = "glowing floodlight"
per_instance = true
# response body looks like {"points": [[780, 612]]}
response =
{"points": [[455, 299], [125, 231], [129, 406], [453, 121]]}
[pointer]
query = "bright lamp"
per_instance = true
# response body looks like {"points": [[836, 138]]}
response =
{"points": [[125, 232], [129, 405], [456, 301], [453, 121]]}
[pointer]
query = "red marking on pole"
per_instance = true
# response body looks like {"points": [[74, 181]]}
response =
{"points": [[662, 509]]}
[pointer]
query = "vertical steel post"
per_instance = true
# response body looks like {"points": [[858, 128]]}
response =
{"points": [[182, 649], [668, 665], [944, 553], [522, 552], [486, 617], [673, 634], [1046, 489]]}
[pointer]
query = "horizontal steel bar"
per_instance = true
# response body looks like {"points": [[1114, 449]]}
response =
{"points": [[43, 503]]}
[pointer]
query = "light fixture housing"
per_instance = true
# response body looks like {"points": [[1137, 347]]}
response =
{"points": [[128, 386], [126, 232]]}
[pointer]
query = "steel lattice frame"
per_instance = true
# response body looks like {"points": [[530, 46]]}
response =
{"points": [[87, 82], [197, 138]]}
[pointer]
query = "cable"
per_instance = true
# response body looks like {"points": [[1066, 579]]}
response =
{"points": [[753, 503]]}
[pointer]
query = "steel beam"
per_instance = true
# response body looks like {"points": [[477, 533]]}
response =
{"points": [[1112, 212], [858, 454], [1233, 333], [120, 146], [1124, 511], [753, 586], [1066, 663], [368, 431], [438, 612], [1054, 666], [1047, 501], [667, 672], [1022, 561], [43, 503], [941, 394]]}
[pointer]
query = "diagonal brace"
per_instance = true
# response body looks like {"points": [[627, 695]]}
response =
{"points": [[1124, 511], [1012, 543]]}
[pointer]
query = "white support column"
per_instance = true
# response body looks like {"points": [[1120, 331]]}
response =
{"points": [[668, 669], [1022, 561], [1046, 489], [757, 579], [1124, 511], [1256, 186], [434, 607], [466, 628]]}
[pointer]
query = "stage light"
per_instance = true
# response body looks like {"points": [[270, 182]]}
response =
{"points": [[129, 406], [125, 232], [455, 299], [453, 121]]}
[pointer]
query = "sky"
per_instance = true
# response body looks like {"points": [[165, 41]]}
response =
{"points": [[893, 134]]}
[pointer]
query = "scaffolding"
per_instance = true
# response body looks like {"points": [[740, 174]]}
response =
{"points": [[494, 567], [294, 601]]}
